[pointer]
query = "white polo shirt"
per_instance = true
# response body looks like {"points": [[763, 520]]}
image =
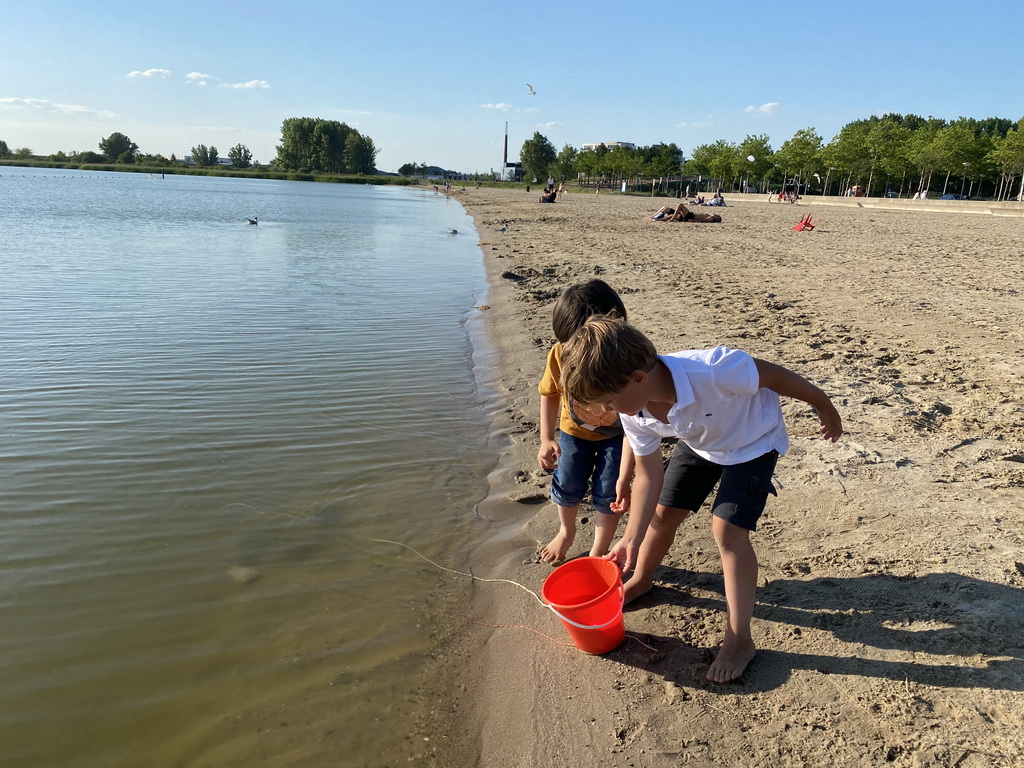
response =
{"points": [[721, 412]]}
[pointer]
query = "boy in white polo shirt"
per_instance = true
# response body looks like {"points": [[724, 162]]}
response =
{"points": [[723, 406]]}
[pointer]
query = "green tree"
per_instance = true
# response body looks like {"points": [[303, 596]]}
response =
{"points": [[664, 160], [537, 156], [801, 155], [587, 163], [959, 147], [565, 162], [847, 153], [116, 145], [759, 148], [90, 157], [360, 154], [887, 143], [240, 156], [315, 144], [23, 153], [4, 151], [204, 156], [922, 151], [1008, 154]]}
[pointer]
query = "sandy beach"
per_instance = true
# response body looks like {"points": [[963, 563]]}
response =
{"points": [[890, 602]]}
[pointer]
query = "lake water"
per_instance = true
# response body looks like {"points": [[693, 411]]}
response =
{"points": [[202, 423]]}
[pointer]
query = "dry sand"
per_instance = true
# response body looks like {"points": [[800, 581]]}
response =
{"points": [[890, 607]]}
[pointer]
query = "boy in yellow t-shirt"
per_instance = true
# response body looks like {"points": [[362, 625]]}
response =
{"points": [[589, 448]]}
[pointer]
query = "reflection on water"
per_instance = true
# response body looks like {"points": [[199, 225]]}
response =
{"points": [[201, 422]]}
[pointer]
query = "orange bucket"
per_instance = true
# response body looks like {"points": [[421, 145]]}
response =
{"points": [[586, 594]]}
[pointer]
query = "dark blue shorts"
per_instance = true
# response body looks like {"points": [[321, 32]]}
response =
{"points": [[583, 463], [742, 488]]}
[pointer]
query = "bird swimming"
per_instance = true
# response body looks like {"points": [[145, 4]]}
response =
{"points": [[253, 220], [453, 231]]}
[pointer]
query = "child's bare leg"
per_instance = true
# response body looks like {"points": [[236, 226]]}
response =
{"points": [[739, 571], [604, 532], [660, 535], [555, 551]]}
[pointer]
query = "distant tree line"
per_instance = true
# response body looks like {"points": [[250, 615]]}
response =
{"points": [[307, 145], [893, 154]]}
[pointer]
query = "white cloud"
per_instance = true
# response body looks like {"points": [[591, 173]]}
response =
{"points": [[149, 73], [249, 84], [45, 105], [765, 109], [37, 103], [500, 106], [549, 126], [199, 78], [694, 125]]}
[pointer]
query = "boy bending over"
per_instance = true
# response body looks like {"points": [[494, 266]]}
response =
{"points": [[723, 406]]}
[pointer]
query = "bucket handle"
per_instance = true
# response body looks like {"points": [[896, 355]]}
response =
{"points": [[622, 602]]}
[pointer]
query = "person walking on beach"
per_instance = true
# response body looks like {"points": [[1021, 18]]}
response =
{"points": [[723, 406], [589, 447]]}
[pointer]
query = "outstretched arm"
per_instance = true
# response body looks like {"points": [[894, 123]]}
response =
{"points": [[624, 486], [789, 384], [549, 451], [650, 473]]}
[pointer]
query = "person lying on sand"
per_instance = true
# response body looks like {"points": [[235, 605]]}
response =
{"points": [[682, 213], [723, 406]]}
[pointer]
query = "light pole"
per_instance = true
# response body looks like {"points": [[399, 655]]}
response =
{"points": [[963, 180]]}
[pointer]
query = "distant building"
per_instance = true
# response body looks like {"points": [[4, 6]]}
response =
{"points": [[609, 144]]}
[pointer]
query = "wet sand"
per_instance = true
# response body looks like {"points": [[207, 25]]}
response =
{"points": [[890, 605]]}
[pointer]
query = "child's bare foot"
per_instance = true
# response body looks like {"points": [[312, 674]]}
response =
{"points": [[636, 587], [732, 659], [555, 551]]}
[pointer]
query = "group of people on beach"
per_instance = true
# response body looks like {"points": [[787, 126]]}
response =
{"points": [[607, 401]]}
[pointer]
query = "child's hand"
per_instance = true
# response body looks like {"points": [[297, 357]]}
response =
{"points": [[831, 423], [623, 495], [623, 554], [548, 454]]}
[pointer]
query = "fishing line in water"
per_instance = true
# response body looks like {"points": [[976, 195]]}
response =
{"points": [[459, 573], [629, 635]]}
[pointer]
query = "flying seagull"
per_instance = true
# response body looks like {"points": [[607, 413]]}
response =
{"points": [[532, 92]]}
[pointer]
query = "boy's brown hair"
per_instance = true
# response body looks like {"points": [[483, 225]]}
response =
{"points": [[583, 300], [600, 358]]}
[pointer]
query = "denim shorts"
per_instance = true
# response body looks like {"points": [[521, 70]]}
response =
{"points": [[583, 462], [742, 492]]}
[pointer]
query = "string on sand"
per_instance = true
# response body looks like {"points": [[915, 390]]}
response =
{"points": [[458, 573], [630, 635]]}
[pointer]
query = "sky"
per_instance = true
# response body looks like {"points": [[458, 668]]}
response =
{"points": [[437, 82]]}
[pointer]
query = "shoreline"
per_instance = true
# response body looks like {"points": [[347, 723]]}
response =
{"points": [[890, 596]]}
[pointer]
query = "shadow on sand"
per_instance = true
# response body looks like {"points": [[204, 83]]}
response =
{"points": [[940, 615]]}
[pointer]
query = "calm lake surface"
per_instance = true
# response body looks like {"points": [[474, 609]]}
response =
{"points": [[202, 423]]}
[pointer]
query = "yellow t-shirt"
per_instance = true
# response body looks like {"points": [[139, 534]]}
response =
{"points": [[576, 419]]}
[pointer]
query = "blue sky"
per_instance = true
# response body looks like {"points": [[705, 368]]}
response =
{"points": [[436, 82]]}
